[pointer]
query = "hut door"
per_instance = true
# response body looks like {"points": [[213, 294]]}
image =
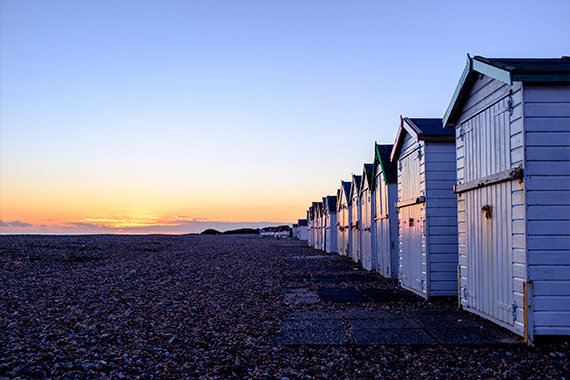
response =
{"points": [[488, 215], [410, 224]]}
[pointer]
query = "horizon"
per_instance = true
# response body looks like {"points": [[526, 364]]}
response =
{"points": [[170, 117]]}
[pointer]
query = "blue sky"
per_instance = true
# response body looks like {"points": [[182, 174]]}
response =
{"points": [[225, 111]]}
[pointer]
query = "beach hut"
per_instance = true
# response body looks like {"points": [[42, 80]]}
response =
{"points": [[302, 233], [511, 119], [367, 229], [330, 228], [427, 207], [385, 196], [343, 212], [319, 226], [310, 226], [295, 230], [355, 218]]}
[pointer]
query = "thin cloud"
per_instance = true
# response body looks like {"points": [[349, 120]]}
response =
{"points": [[15, 224]]}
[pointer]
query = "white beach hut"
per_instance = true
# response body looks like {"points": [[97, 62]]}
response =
{"points": [[385, 195], [367, 228], [343, 212], [302, 233], [355, 218], [330, 227], [511, 118], [319, 225], [427, 207]]}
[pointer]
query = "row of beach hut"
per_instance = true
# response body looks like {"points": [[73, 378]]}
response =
{"points": [[475, 204]]}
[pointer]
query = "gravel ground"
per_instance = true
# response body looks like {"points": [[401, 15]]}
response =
{"points": [[194, 306]]}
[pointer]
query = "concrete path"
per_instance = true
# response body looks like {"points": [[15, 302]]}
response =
{"points": [[332, 302]]}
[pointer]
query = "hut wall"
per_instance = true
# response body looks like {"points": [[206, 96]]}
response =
{"points": [[343, 215], [367, 229], [412, 244], [386, 224], [441, 225], [547, 194], [355, 224]]}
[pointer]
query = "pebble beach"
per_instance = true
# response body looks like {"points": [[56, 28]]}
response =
{"points": [[206, 307]]}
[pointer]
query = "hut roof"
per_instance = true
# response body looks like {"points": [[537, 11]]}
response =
{"points": [[355, 185], [344, 191], [382, 157], [331, 203], [507, 70], [420, 129], [367, 176], [303, 222]]}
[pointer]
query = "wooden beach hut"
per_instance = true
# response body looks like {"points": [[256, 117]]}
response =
{"points": [[385, 196], [310, 226], [319, 225], [302, 233], [343, 212], [355, 218], [330, 228], [427, 207], [511, 119], [367, 229]]}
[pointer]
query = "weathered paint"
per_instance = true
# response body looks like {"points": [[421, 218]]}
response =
{"points": [[514, 235], [427, 215]]}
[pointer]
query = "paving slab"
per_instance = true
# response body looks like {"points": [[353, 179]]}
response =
{"points": [[378, 295], [341, 295], [398, 337], [300, 315], [365, 314], [301, 296], [384, 323], [436, 319], [310, 337], [472, 336]]}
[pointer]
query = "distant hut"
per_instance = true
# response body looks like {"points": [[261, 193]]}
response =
{"points": [[355, 218], [427, 207], [385, 195], [511, 118], [343, 211], [295, 229], [329, 224], [367, 228], [319, 226], [302, 233]]}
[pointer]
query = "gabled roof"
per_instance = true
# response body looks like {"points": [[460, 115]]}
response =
{"points": [[355, 185], [507, 70], [344, 191], [420, 129], [331, 203], [367, 177], [382, 158]]}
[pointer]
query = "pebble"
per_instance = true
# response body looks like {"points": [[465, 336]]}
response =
{"points": [[197, 306]]}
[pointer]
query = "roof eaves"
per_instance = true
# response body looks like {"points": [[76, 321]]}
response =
{"points": [[402, 130], [493, 69], [459, 92]]}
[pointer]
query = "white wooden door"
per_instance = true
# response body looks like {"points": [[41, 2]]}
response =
{"points": [[488, 211]]}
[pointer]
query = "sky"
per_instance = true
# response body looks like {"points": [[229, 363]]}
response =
{"points": [[173, 116]]}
